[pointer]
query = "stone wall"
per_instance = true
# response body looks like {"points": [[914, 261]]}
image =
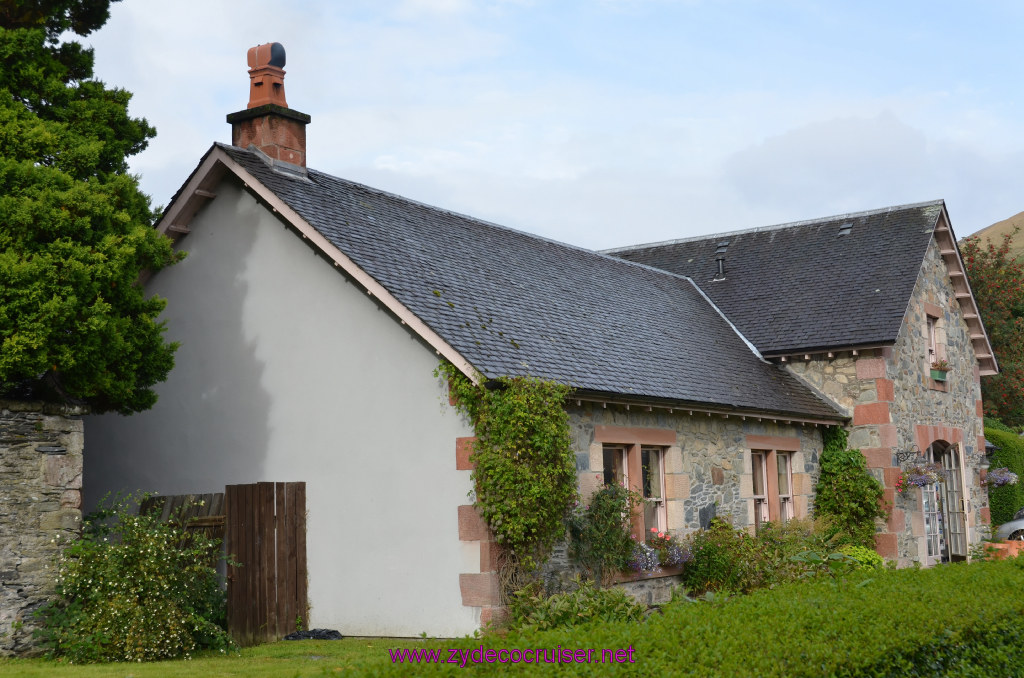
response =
{"points": [[707, 474], [40, 508], [895, 404], [925, 411], [708, 468]]}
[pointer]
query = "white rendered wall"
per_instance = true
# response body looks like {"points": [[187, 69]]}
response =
{"points": [[287, 372]]}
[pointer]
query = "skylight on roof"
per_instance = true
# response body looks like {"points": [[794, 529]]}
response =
{"points": [[846, 228], [722, 247]]}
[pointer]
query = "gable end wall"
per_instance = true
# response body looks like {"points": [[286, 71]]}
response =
{"points": [[894, 404]]}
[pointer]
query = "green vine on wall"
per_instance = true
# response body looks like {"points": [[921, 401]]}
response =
{"points": [[525, 470], [847, 495]]}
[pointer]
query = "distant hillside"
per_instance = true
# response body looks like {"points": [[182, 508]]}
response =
{"points": [[996, 231]]}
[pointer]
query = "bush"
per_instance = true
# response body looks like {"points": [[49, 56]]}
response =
{"points": [[1006, 500], [961, 620], [866, 558], [723, 560], [847, 495], [731, 560], [599, 532], [135, 589], [531, 610], [993, 423]]}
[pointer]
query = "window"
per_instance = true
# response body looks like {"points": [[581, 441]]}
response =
{"points": [[614, 465], [652, 465], [772, 494], [642, 469], [933, 354]]}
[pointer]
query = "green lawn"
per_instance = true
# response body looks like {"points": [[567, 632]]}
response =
{"points": [[288, 659]]}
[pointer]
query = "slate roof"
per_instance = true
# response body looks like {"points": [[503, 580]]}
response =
{"points": [[803, 286], [512, 303]]}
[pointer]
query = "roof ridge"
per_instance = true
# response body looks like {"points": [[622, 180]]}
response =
{"points": [[501, 227], [773, 227]]}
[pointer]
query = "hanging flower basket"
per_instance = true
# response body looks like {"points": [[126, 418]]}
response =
{"points": [[919, 476], [997, 477]]}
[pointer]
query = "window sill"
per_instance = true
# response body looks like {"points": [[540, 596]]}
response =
{"points": [[622, 577], [937, 385]]}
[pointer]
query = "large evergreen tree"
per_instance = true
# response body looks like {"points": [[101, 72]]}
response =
{"points": [[997, 280], [75, 230]]}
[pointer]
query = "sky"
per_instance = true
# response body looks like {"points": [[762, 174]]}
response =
{"points": [[605, 123]]}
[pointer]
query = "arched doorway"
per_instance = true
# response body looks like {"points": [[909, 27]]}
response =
{"points": [[944, 506]]}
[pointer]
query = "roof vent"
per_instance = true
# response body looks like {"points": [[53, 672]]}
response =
{"points": [[846, 228], [722, 247], [720, 274]]}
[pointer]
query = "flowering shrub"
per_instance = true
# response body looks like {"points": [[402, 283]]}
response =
{"points": [[997, 477], [135, 590], [940, 365], [919, 476]]}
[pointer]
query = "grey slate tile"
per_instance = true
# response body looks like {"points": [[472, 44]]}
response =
{"points": [[804, 287], [513, 303]]}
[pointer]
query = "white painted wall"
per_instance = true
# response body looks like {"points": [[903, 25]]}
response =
{"points": [[287, 372]]}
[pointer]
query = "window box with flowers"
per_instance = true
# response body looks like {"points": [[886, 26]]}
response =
{"points": [[939, 370]]}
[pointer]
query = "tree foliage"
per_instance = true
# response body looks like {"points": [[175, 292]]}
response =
{"points": [[997, 280], [77, 231]]}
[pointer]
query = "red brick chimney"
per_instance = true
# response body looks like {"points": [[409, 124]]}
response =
{"points": [[267, 122]]}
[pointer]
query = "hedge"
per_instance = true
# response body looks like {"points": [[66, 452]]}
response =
{"points": [[1006, 500], [951, 620]]}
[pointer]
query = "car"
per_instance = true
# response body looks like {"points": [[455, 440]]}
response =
{"points": [[1013, 529]]}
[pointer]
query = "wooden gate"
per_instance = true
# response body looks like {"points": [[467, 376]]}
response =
{"points": [[265, 534]]}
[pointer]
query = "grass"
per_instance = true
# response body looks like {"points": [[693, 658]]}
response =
{"points": [[285, 659]]}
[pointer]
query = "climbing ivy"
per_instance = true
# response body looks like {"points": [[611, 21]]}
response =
{"points": [[525, 470], [847, 495]]}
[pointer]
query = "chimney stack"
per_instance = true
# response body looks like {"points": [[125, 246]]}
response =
{"points": [[267, 122]]}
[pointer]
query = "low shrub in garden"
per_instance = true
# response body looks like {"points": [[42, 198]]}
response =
{"points": [[531, 609], [866, 558], [957, 620], [723, 558], [135, 589]]}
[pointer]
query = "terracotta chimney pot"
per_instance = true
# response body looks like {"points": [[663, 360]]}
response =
{"points": [[266, 75], [267, 123]]}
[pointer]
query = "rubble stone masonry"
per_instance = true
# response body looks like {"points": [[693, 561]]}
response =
{"points": [[40, 509], [895, 405]]}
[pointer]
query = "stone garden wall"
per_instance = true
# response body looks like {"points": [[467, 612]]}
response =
{"points": [[40, 508]]}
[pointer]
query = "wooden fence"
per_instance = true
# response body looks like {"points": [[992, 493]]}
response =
{"points": [[196, 512], [263, 527], [265, 534]]}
